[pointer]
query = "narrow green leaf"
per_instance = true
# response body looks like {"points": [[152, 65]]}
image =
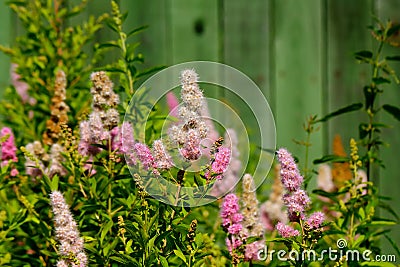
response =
{"points": [[380, 80], [137, 30], [331, 158], [150, 71], [118, 259], [179, 253], [105, 229], [162, 237], [394, 29], [362, 55], [347, 109], [394, 58], [111, 24], [326, 194], [113, 69], [394, 245], [109, 44], [54, 183], [392, 110], [163, 261]]}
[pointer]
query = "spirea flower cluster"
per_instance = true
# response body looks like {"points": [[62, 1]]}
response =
{"points": [[192, 129], [8, 149], [296, 199], [104, 116], [70, 243], [231, 221], [252, 226], [58, 110], [231, 175]]}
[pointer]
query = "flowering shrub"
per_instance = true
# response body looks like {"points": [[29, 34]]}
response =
{"points": [[80, 186]]}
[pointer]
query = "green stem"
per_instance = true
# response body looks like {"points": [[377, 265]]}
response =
{"points": [[371, 110]]}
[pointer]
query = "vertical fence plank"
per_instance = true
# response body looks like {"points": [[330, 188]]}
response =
{"points": [[194, 35], [246, 47], [347, 33], [298, 58], [194, 30], [247, 38], [5, 39], [389, 176], [154, 41]]}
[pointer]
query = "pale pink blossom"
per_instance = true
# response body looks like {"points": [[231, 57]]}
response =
{"points": [[233, 242], [316, 219], [20, 86], [173, 103], [143, 154], [290, 175], [286, 231], [8, 148], [252, 249], [162, 159], [67, 234]]}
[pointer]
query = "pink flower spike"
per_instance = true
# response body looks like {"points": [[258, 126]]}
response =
{"points": [[316, 219], [67, 234], [290, 175], [221, 161], [162, 159], [286, 231], [8, 149], [144, 155], [173, 103]]}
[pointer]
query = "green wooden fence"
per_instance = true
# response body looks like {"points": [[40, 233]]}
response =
{"points": [[298, 52]]}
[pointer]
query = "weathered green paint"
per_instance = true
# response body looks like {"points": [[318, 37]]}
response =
{"points": [[345, 78], [298, 76], [389, 177], [155, 43], [5, 39]]}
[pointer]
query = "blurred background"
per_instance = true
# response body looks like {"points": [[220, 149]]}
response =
{"points": [[300, 54]]}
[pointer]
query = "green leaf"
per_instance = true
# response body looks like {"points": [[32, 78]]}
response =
{"points": [[327, 194], [109, 44], [331, 158], [118, 259], [392, 110], [382, 223], [105, 229], [394, 58], [347, 109], [137, 30], [363, 55], [149, 71], [388, 208], [163, 261], [380, 80], [54, 183], [394, 245], [394, 29], [112, 25], [362, 130], [113, 69], [162, 237], [179, 253]]}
